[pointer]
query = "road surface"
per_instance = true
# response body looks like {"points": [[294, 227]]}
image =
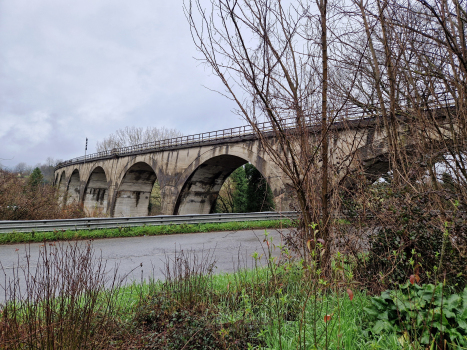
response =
{"points": [[144, 257]]}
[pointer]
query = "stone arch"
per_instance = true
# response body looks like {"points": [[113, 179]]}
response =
{"points": [[61, 182], [200, 184], [61, 186], [133, 193], [96, 192], [72, 193]]}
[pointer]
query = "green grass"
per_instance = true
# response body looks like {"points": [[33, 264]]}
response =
{"points": [[19, 237], [242, 295], [281, 306], [345, 332]]}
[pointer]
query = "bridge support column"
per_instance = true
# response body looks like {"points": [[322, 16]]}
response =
{"points": [[111, 200], [282, 192], [168, 200]]}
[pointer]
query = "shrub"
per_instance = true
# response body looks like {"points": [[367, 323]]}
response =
{"points": [[23, 200], [403, 235], [165, 323], [421, 314], [183, 314]]}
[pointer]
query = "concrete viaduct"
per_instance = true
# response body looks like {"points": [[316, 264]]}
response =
{"points": [[191, 169]]}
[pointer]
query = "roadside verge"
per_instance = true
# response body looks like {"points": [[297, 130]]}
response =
{"points": [[149, 230]]}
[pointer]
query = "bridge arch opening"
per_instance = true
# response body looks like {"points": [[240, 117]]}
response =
{"points": [[61, 187], [73, 188], [96, 193], [134, 193], [61, 183], [245, 191], [200, 193]]}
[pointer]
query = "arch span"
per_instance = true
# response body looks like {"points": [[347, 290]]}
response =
{"points": [[73, 188], [200, 190], [61, 187], [96, 192], [133, 193]]}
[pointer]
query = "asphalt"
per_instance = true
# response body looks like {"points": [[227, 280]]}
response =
{"points": [[140, 258]]}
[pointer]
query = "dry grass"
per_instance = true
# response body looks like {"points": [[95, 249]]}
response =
{"points": [[66, 299]]}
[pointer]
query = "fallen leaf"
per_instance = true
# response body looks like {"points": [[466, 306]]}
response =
{"points": [[403, 338], [350, 293], [308, 244]]}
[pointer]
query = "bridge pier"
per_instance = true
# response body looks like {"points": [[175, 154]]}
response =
{"points": [[168, 198]]}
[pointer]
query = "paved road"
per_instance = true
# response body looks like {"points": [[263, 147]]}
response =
{"points": [[149, 254]]}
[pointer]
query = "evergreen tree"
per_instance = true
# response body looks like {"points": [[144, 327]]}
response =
{"points": [[240, 191], [258, 193], [246, 190], [35, 179], [232, 196]]}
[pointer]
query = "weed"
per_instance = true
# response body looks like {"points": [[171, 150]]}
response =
{"points": [[421, 315], [64, 300]]}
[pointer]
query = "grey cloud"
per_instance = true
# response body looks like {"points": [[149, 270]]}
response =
{"points": [[70, 70]]}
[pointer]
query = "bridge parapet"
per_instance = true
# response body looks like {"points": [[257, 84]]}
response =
{"points": [[235, 134]]}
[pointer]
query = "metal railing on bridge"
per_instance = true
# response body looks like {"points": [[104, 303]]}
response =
{"points": [[348, 113], [197, 139], [98, 223]]}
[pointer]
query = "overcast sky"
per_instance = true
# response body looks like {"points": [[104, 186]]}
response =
{"points": [[76, 69]]}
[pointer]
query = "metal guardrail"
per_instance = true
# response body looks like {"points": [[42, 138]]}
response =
{"points": [[98, 223]]}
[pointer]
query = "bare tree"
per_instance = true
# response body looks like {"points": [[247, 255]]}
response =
{"points": [[47, 169], [274, 63], [225, 202], [132, 135], [22, 169], [413, 81]]}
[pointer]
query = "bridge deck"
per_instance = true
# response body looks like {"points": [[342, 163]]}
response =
{"points": [[235, 134], [353, 117]]}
